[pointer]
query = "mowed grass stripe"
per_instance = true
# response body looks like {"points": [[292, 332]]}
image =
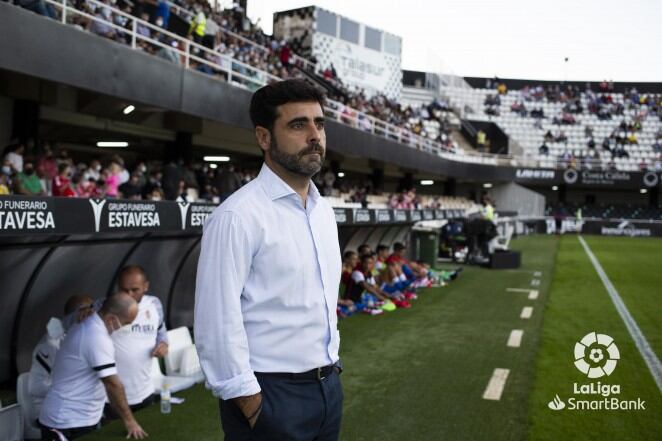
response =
{"points": [[634, 267], [578, 304], [645, 350]]}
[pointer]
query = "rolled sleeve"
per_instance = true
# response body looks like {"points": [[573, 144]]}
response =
{"points": [[223, 267]]}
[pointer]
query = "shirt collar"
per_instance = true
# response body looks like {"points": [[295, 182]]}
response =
{"points": [[276, 188]]}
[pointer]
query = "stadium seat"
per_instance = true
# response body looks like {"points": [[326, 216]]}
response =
{"points": [[11, 423], [28, 414], [175, 384], [190, 365], [182, 359], [179, 341]]}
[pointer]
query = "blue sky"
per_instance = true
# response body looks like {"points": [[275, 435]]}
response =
{"points": [[619, 40]]}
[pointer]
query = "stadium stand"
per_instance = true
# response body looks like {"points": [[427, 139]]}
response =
{"points": [[243, 63], [583, 130]]}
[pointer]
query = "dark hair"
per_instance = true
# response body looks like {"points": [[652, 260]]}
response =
{"points": [[367, 256], [348, 254], [398, 246], [364, 249], [266, 99], [381, 247], [62, 167]]}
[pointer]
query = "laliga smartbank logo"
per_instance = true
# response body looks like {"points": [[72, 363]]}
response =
{"points": [[596, 356]]}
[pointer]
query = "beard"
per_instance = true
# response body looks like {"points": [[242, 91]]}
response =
{"points": [[297, 163]]}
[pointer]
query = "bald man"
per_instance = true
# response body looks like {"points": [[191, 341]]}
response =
{"points": [[84, 373]]}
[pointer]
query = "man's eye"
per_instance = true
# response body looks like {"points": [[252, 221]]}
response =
{"points": [[320, 125], [297, 126]]}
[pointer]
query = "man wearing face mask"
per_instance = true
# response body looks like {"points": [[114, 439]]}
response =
{"points": [[265, 323], [28, 183], [84, 373]]}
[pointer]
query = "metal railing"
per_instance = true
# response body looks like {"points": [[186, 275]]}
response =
{"points": [[185, 13], [197, 56]]}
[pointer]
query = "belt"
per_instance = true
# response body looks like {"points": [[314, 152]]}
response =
{"points": [[319, 373]]}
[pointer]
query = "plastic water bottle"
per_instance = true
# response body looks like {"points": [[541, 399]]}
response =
{"points": [[165, 399]]}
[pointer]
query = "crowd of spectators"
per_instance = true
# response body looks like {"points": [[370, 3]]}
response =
{"points": [[633, 110], [230, 32], [53, 172]]}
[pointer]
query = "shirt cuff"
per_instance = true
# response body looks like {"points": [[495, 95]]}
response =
{"points": [[242, 385]]}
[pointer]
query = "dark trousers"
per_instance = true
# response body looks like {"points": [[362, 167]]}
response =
{"points": [[109, 413], [75, 432], [292, 410]]}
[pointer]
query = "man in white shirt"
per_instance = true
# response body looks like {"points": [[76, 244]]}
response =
{"points": [[84, 373], [43, 356], [267, 283], [135, 345]]}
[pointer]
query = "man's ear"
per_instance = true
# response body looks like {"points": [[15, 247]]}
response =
{"points": [[263, 137]]}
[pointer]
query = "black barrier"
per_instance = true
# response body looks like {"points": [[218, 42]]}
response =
{"points": [[57, 216], [625, 228], [593, 178]]}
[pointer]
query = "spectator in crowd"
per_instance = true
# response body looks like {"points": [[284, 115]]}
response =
{"points": [[62, 182], [93, 172], [481, 139], [4, 184], [113, 179], [100, 25], [28, 183], [198, 24], [47, 168], [172, 175], [163, 13], [38, 6], [227, 182], [84, 367], [14, 155], [43, 355], [132, 189]]}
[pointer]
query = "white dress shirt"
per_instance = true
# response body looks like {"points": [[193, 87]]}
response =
{"points": [[267, 286]]}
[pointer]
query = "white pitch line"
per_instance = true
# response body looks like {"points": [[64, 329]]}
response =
{"points": [[527, 311], [533, 294], [496, 384], [515, 339], [644, 347], [518, 290]]}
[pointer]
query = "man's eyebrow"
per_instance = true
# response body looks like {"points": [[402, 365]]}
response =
{"points": [[300, 119], [303, 119]]}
